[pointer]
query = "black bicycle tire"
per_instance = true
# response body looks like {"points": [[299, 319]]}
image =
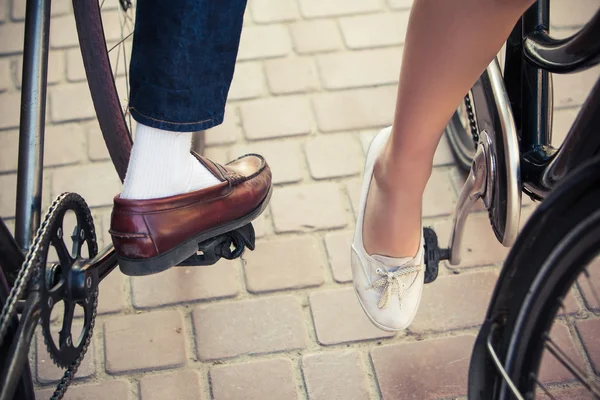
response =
{"points": [[571, 254], [568, 205], [100, 79]]}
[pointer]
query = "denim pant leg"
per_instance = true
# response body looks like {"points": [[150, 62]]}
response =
{"points": [[182, 62]]}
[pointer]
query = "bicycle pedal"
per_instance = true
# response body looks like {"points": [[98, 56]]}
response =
{"points": [[229, 245], [433, 255]]}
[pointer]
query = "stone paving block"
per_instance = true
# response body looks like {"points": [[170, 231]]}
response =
{"points": [[401, 368], [339, 318], [3, 10], [266, 325], [75, 179], [480, 246], [318, 8], [360, 68], [277, 116], [455, 302], [338, 250], [268, 11], [575, 393], [64, 144], [108, 389], [96, 150], [226, 133], [63, 32], [401, 4], [568, 13], [589, 332], [10, 108], [571, 306], [111, 297], [443, 153], [551, 370], [75, 69], [258, 380], [9, 150], [334, 156], [588, 286], [315, 36], [335, 375], [354, 189], [71, 102], [439, 197], [8, 195], [355, 109], [47, 371], [304, 208], [562, 121], [144, 342], [291, 75], [5, 74], [264, 42], [374, 30], [217, 154], [178, 385], [284, 157], [248, 81], [571, 90], [184, 284], [287, 263], [12, 38]]}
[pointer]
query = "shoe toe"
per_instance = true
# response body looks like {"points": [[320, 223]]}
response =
{"points": [[248, 165]]}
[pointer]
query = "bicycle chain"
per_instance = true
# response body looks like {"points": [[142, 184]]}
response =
{"points": [[63, 385], [472, 122], [30, 265]]}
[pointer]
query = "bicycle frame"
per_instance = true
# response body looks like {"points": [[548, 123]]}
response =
{"points": [[531, 55], [28, 207]]}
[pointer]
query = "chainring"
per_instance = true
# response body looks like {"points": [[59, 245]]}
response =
{"points": [[56, 281]]}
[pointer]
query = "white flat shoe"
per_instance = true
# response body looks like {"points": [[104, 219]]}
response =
{"points": [[388, 289]]}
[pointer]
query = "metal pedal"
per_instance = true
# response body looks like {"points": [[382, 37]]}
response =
{"points": [[230, 245], [433, 255]]}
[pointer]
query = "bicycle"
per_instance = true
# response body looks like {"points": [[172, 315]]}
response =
{"points": [[502, 133], [32, 285], [508, 149]]}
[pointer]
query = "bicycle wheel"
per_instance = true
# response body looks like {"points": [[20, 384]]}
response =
{"points": [[552, 339], [459, 133]]}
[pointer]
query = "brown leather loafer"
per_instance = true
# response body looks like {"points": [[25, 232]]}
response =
{"points": [[153, 235]]}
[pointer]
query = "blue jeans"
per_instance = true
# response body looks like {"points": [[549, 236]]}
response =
{"points": [[182, 62]]}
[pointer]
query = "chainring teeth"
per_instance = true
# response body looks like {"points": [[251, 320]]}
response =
{"points": [[65, 357]]}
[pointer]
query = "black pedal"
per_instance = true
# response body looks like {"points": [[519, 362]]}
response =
{"points": [[230, 245], [433, 255]]}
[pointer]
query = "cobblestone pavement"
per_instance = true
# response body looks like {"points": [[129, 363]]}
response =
{"points": [[315, 80]]}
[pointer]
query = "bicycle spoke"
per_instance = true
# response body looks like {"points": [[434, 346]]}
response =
{"points": [[562, 357], [540, 384], [120, 41], [125, 16], [592, 287]]}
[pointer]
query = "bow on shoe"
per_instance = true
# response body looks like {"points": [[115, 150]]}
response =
{"points": [[391, 284]]}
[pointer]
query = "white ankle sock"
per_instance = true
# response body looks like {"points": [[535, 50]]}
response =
{"points": [[161, 165]]}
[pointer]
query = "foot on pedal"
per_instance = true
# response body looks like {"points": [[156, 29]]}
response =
{"points": [[433, 255], [230, 245]]}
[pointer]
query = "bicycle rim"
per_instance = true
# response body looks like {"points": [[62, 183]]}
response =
{"points": [[552, 352], [104, 76]]}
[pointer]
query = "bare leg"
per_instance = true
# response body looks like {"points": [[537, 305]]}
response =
{"points": [[448, 45]]}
